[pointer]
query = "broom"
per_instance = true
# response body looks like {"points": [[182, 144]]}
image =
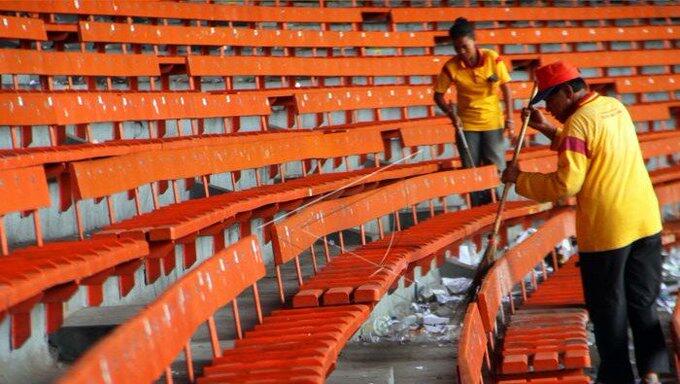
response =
{"points": [[492, 247], [461, 136]]}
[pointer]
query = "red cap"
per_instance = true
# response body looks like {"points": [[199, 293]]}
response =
{"points": [[552, 75]]}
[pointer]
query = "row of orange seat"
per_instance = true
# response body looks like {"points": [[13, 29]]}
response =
{"points": [[309, 337], [132, 167], [528, 342], [181, 222], [187, 11], [70, 63], [353, 281], [29, 114], [543, 339], [41, 273], [282, 14], [27, 29]]}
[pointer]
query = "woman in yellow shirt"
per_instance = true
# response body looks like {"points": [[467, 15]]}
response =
{"points": [[477, 75]]}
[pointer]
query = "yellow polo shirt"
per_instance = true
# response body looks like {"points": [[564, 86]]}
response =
{"points": [[600, 162], [476, 89]]}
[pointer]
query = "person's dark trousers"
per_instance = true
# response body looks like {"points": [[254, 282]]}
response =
{"points": [[621, 287], [486, 148]]}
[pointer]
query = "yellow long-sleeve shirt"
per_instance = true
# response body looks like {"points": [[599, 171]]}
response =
{"points": [[600, 162]]}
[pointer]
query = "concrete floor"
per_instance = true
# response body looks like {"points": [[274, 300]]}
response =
{"points": [[389, 363]]}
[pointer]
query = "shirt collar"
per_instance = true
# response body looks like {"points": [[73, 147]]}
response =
{"points": [[590, 96], [466, 64]]}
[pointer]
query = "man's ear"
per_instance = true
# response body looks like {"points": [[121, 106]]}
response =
{"points": [[568, 91]]}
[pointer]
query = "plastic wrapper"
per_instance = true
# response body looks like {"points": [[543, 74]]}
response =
{"points": [[670, 273]]}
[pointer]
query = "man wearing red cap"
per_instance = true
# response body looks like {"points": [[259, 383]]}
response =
{"points": [[618, 222]]}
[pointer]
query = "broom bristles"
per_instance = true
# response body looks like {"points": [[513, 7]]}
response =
{"points": [[481, 271]]}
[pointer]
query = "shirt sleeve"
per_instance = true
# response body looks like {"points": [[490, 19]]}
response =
{"points": [[572, 165], [557, 140], [444, 80], [502, 71]]}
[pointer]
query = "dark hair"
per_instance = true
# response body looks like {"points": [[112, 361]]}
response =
{"points": [[461, 28], [576, 84]]}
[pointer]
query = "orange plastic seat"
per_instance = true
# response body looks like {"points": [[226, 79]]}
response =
{"points": [[289, 344], [365, 274], [52, 273]]}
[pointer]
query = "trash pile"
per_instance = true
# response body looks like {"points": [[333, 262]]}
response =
{"points": [[670, 277], [432, 317], [436, 314]]}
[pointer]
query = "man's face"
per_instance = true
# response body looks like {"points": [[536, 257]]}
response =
{"points": [[465, 46], [559, 103]]}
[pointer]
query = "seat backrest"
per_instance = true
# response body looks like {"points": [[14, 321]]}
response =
{"points": [[329, 99], [100, 32], [23, 189], [103, 177], [34, 62], [490, 297], [425, 65], [472, 349], [652, 111], [655, 144], [314, 66], [22, 28], [517, 262], [352, 98], [497, 14], [497, 285], [154, 338], [649, 83], [439, 132], [594, 59], [667, 193], [298, 232], [525, 256], [545, 35], [59, 108], [189, 11]]}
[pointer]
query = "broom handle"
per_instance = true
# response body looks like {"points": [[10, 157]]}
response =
{"points": [[463, 140], [515, 157]]}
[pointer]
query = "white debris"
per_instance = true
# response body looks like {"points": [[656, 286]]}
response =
{"points": [[523, 236], [670, 274], [456, 285], [432, 319], [566, 250], [467, 254]]}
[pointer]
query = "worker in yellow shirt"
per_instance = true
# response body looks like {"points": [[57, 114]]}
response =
{"points": [[477, 74], [618, 222]]}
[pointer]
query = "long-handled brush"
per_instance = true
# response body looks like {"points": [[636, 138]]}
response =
{"points": [[461, 136], [492, 247]]}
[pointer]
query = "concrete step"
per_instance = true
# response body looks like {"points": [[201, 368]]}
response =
{"points": [[404, 363], [362, 373]]}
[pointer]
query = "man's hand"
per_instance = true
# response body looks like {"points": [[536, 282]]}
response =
{"points": [[510, 130], [510, 174], [537, 120]]}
